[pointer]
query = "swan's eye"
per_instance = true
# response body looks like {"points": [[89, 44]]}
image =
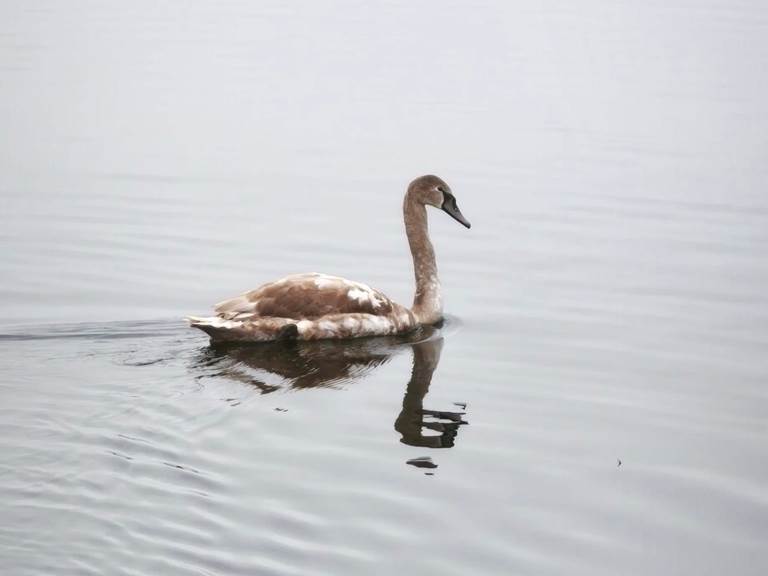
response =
{"points": [[441, 189]]}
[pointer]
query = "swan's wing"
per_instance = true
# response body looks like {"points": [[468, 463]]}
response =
{"points": [[306, 296]]}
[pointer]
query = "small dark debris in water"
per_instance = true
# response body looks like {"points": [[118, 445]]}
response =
{"points": [[462, 405], [429, 473], [422, 462], [119, 455], [618, 462], [281, 409], [180, 467]]}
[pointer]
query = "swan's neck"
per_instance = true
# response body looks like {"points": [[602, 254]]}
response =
{"points": [[427, 303]]}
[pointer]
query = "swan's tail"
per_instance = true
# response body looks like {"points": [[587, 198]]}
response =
{"points": [[251, 330]]}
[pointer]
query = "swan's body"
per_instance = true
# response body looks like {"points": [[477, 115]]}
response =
{"points": [[316, 306], [319, 306]]}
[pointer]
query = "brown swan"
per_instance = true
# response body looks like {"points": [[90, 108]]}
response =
{"points": [[317, 306]]}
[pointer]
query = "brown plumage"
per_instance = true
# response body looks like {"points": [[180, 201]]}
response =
{"points": [[307, 296], [316, 306]]}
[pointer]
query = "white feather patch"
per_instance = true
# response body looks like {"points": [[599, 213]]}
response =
{"points": [[324, 281], [303, 325], [360, 295]]}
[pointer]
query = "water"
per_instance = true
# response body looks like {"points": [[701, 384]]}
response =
{"points": [[596, 401]]}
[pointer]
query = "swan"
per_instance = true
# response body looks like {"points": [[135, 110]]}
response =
{"points": [[316, 306]]}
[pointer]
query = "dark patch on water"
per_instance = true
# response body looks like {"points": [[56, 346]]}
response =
{"points": [[422, 462]]}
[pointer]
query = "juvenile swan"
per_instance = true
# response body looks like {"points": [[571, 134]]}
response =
{"points": [[316, 306]]}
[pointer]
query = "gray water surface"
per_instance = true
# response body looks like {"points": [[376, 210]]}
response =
{"points": [[596, 401]]}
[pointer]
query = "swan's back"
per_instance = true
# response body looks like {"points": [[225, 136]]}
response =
{"points": [[306, 296]]}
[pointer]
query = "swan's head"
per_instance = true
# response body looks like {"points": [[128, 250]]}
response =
{"points": [[433, 191]]}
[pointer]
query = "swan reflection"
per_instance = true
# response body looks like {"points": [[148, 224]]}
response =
{"points": [[276, 366]]}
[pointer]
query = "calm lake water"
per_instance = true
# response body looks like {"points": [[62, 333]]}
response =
{"points": [[597, 401]]}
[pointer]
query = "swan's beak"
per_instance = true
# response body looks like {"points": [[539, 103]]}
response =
{"points": [[452, 209]]}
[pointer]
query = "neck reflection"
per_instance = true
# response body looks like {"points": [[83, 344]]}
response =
{"points": [[270, 367], [414, 418]]}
